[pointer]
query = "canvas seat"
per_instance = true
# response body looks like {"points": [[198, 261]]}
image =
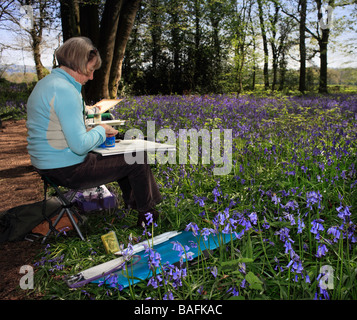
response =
{"points": [[66, 207]]}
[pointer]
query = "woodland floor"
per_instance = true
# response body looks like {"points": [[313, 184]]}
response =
{"points": [[19, 184]]}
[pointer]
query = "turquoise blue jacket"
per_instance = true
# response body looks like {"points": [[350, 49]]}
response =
{"points": [[57, 135]]}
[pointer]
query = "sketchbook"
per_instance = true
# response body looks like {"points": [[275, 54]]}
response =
{"points": [[104, 105], [136, 145]]}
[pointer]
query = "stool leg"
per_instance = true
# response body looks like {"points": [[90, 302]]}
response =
{"points": [[60, 215], [75, 225]]}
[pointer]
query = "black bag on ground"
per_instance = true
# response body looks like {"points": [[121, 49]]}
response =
{"points": [[17, 222]]}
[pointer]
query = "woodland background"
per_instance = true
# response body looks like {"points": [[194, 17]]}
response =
{"points": [[198, 46]]}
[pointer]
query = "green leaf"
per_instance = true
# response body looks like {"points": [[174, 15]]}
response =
{"points": [[254, 281]]}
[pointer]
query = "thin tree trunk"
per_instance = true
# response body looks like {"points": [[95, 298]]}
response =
{"points": [[265, 46], [302, 47], [323, 44], [323, 62]]}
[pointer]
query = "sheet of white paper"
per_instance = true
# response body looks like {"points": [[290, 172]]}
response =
{"points": [[108, 122], [137, 145]]}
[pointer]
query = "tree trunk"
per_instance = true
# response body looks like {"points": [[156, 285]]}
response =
{"points": [[37, 57], [265, 46], [70, 19], [155, 33], [323, 61], [302, 47], [323, 44], [197, 49], [126, 22], [98, 88], [36, 37], [274, 46], [89, 20]]}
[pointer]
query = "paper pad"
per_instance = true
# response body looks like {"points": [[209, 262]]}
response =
{"points": [[137, 145]]}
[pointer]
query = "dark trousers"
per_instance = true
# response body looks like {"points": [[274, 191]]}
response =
{"points": [[136, 181]]}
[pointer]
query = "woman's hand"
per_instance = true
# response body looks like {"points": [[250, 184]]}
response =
{"points": [[109, 131]]}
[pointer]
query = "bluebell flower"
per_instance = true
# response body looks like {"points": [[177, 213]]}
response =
{"points": [[253, 218], [278, 266], [344, 212], [243, 283], [193, 244], [111, 280], [220, 218], [292, 204], [153, 282], [301, 225], [154, 257], [205, 232], [307, 279], [303, 168], [149, 218], [290, 217], [177, 246], [200, 290], [336, 232], [265, 224], [288, 247], [214, 271], [283, 234], [234, 291], [216, 194], [244, 223], [296, 264], [317, 226], [313, 197], [194, 228], [168, 296], [321, 250], [275, 199]]}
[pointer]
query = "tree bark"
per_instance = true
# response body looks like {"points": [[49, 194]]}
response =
{"points": [[98, 88], [274, 49], [89, 20], [323, 43], [70, 19], [323, 46], [302, 47], [265, 45], [126, 22]]}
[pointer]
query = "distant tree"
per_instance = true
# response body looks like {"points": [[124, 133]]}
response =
{"points": [[29, 20], [240, 30]]}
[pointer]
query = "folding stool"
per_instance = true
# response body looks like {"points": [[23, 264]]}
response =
{"points": [[66, 207]]}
